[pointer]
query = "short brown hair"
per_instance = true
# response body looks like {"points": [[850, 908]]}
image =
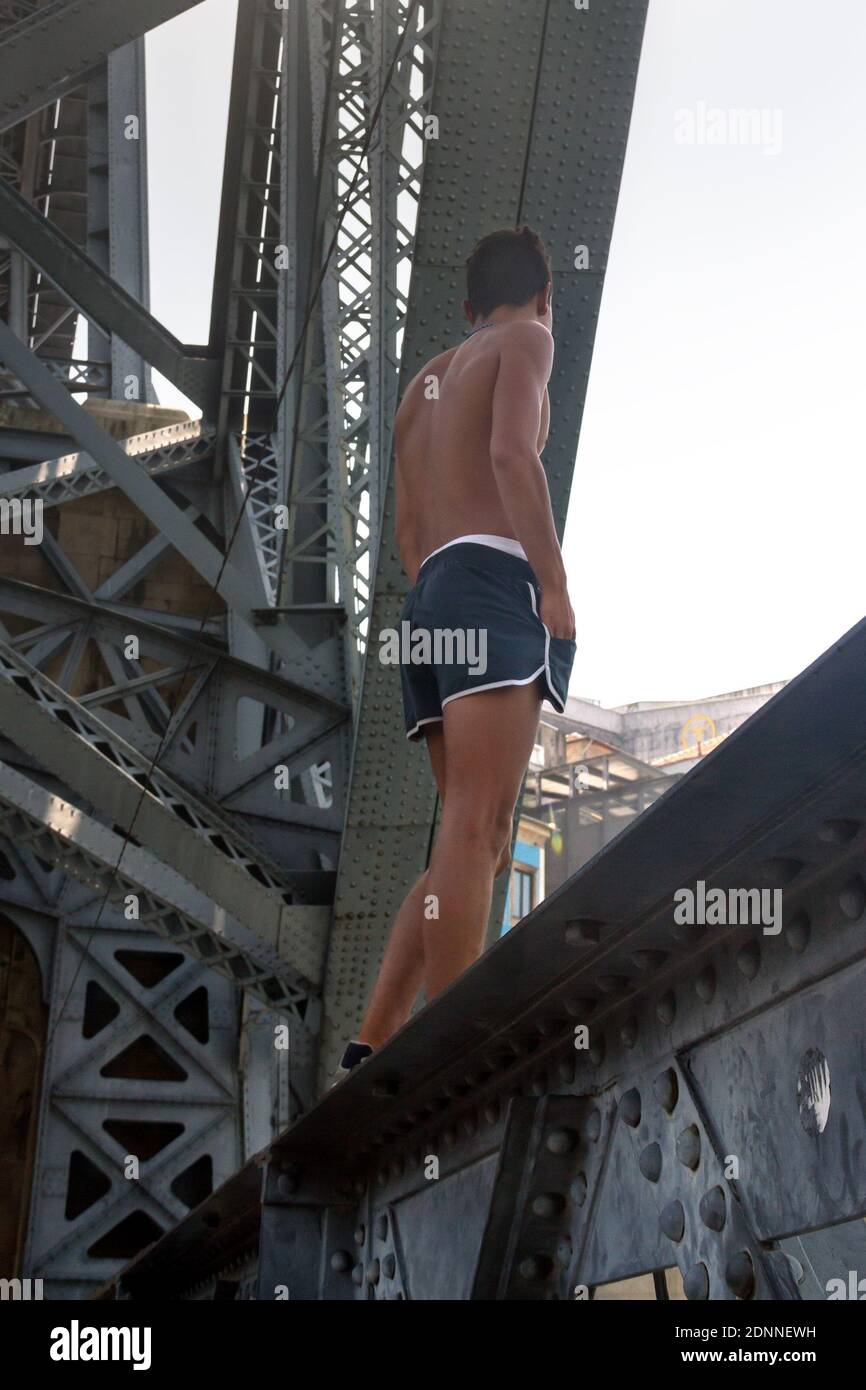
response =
{"points": [[506, 267]]}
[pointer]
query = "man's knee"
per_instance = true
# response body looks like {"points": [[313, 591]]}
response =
{"points": [[485, 833]]}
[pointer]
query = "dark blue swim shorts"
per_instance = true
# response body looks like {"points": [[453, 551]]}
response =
{"points": [[472, 623]]}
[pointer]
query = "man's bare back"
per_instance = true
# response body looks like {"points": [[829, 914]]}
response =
{"points": [[447, 485]]}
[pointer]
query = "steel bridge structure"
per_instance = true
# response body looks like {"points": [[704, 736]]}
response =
{"points": [[208, 811]]}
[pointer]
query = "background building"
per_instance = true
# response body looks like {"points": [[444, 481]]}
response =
{"points": [[594, 769]]}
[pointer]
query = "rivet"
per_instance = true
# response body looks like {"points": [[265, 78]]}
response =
{"points": [[838, 832], [673, 1220], [578, 1190], [666, 1090], [740, 1274], [650, 1162], [749, 960], [797, 933], [535, 1267], [705, 984], [629, 1107], [582, 929], [389, 1265], [852, 899], [565, 1070], [628, 1032], [666, 1008], [561, 1141], [341, 1260], [696, 1283], [689, 1147], [373, 1272], [382, 1227], [548, 1204], [712, 1209]]}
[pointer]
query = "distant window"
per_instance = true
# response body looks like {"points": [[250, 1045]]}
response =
{"points": [[522, 892], [537, 759]]}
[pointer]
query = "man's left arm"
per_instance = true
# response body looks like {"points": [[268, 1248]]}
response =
{"points": [[544, 430], [406, 530]]}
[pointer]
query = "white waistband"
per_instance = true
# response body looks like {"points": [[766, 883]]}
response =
{"points": [[495, 542]]}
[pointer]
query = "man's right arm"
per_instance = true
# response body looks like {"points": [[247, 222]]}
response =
{"points": [[525, 361]]}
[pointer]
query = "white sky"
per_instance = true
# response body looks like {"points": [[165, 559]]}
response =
{"points": [[715, 535]]}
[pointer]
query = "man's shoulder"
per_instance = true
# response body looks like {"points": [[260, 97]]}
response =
{"points": [[528, 335]]}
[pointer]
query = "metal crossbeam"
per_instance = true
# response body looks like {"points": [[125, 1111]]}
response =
{"points": [[165, 902], [176, 827], [605, 1092], [77, 475], [53, 49], [102, 299]]}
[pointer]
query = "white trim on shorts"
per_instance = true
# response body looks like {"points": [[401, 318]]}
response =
{"points": [[505, 543], [547, 672]]}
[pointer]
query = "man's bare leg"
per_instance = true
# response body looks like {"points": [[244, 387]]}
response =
{"points": [[488, 743], [489, 748], [402, 970]]}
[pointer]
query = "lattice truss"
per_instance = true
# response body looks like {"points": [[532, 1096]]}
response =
{"points": [[140, 733], [368, 199], [45, 159], [181, 649]]}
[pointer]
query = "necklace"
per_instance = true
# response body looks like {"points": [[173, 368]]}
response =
{"points": [[479, 330]]}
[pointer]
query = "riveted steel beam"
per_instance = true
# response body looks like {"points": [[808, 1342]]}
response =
{"points": [[603, 1094], [53, 49]]}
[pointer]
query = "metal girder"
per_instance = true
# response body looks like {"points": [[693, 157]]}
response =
{"points": [[290, 836], [134, 481], [105, 301], [604, 1093], [338, 429], [117, 205], [510, 170], [166, 903], [319, 666], [247, 271], [176, 827], [77, 475], [94, 1110], [62, 610], [57, 47]]}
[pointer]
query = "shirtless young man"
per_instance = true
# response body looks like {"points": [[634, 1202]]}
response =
{"points": [[476, 537]]}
